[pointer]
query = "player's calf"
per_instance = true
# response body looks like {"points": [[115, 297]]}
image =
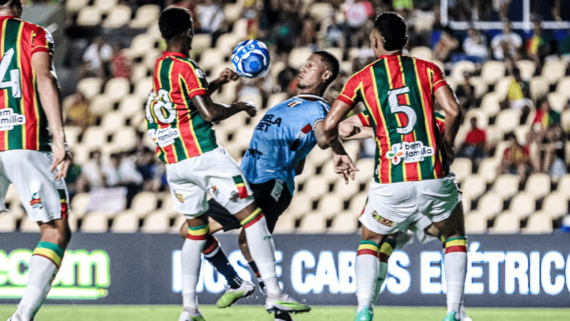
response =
{"points": [[191, 250]]}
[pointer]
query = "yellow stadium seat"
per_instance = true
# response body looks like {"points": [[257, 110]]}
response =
{"points": [[473, 186], [320, 11], [506, 185], [475, 224], [117, 88], [539, 86], [424, 53], [553, 70], [555, 205], [285, 225], [563, 86], [523, 205], [147, 15], [88, 16], [29, 226], [89, 87], [313, 224], [459, 68], [538, 185], [527, 68], [558, 101], [345, 223], [79, 204], [506, 224], [490, 205], [95, 223], [125, 223], [72, 6], [7, 222], [156, 223], [538, 224], [105, 6], [118, 17], [298, 56], [462, 168], [492, 71]]}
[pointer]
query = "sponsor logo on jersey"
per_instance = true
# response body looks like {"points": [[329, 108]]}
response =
{"points": [[9, 119], [164, 136], [36, 201], [409, 152], [179, 197], [382, 220]]}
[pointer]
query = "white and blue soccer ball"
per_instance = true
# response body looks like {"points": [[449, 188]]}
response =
{"points": [[250, 58]]}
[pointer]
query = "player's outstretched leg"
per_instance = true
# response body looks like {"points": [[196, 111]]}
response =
{"points": [[384, 253], [191, 262], [455, 259], [262, 251], [43, 266]]}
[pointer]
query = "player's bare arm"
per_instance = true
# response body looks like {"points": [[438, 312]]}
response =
{"points": [[213, 112], [353, 129], [446, 98], [320, 135], [51, 103], [225, 77], [343, 164]]}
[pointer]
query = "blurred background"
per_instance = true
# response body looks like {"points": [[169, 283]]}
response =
{"points": [[508, 61]]}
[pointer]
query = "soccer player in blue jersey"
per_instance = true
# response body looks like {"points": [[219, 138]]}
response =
{"points": [[276, 154]]}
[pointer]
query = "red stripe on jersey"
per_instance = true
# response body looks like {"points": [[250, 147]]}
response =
{"points": [[29, 105], [183, 114], [169, 150]]}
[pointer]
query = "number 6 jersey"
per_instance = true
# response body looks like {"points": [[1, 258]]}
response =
{"points": [[172, 120], [398, 93], [23, 123]]}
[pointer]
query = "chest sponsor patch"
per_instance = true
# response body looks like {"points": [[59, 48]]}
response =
{"points": [[9, 119], [409, 152], [164, 136]]}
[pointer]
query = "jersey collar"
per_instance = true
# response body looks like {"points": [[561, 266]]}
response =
{"points": [[8, 17], [399, 53], [311, 96], [176, 54]]}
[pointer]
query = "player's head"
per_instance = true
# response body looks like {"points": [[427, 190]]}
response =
{"points": [[176, 25], [319, 71], [390, 33], [15, 6]]}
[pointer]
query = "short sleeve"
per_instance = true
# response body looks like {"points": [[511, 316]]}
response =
{"points": [[42, 41], [321, 113], [438, 77], [348, 93], [194, 78], [364, 119], [440, 122]]}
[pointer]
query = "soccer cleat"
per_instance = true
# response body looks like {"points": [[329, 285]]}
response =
{"points": [[185, 316], [450, 317], [283, 316], [466, 319], [232, 295], [364, 315], [285, 303]]}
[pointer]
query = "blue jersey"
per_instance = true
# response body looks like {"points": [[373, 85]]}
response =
{"points": [[283, 138]]}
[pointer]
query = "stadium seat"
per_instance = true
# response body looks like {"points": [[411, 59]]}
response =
{"points": [[553, 70], [337, 52], [276, 99], [118, 17], [316, 186], [112, 121], [357, 203], [522, 205], [89, 87], [538, 224], [29, 226], [331, 204], [313, 224], [178, 221], [200, 42], [538, 185], [459, 68], [482, 118], [124, 138], [490, 104], [341, 188], [80, 153], [300, 205], [320, 11], [95, 223], [462, 168], [149, 59], [539, 87], [254, 98], [156, 223], [72, 6], [475, 224], [131, 105], [143, 87], [506, 185], [345, 223], [72, 134], [558, 101], [319, 156], [101, 104], [140, 45], [117, 88], [563, 187], [506, 224], [527, 68], [492, 71], [423, 23], [105, 6], [521, 133], [499, 151], [420, 52], [232, 11], [147, 15], [88, 17], [566, 120], [143, 203], [11, 194], [210, 58], [507, 120], [481, 86], [285, 225], [563, 86], [298, 56], [94, 138], [240, 28], [125, 223], [490, 205], [366, 169], [555, 205], [227, 42], [7, 222], [502, 87], [473, 186], [79, 204]]}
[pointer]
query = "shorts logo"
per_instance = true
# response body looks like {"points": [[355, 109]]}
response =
{"points": [[179, 197], [36, 201], [409, 152], [382, 220]]}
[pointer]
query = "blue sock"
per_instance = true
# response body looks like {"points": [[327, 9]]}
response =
{"points": [[214, 254]]}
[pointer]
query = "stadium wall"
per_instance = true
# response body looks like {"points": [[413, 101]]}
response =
{"points": [[504, 270]]}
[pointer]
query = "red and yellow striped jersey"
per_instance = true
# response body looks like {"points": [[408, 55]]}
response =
{"points": [[398, 93], [172, 119], [23, 123]]}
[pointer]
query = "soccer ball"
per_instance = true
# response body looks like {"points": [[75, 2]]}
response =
{"points": [[250, 58]]}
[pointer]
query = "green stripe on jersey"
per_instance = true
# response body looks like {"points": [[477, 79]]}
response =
{"points": [[11, 42]]}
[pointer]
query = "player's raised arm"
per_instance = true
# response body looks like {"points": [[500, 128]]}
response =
{"points": [[212, 111], [446, 98], [352, 128], [49, 96], [343, 164], [225, 77]]}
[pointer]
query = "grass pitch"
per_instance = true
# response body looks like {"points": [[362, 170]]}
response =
{"points": [[256, 313]]}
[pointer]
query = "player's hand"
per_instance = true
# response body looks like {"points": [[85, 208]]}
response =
{"points": [[247, 106], [227, 75], [344, 166], [449, 152], [61, 158]]}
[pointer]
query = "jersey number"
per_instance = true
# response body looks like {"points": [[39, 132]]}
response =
{"points": [[395, 108], [162, 109], [14, 81]]}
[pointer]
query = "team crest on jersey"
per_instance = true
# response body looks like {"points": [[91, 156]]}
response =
{"points": [[9, 119], [36, 201], [179, 197], [382, 220], [409, 152]]}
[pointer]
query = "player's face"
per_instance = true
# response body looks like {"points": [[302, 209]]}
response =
{"points": [[312, 73]]}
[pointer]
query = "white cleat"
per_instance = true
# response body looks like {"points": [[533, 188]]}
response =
{"points": [[195, 316], [285, 303]]}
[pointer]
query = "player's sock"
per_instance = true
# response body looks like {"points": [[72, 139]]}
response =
{"points": [[455, 260], [216, 256], [191, 263], [367, 264], [262, 249], [43, 267], [255, 270], [383, 256]]}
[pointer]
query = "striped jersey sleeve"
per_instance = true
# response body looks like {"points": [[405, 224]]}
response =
{"points": [[194, 78], [349, 92], [42, 41], [438, 77]]}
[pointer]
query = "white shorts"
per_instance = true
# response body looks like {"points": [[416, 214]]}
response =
{"points": [[44, 198], [394, 207], [214, 172]]}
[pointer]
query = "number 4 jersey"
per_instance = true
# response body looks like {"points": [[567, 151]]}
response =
{"points": [[398, 93], [173, 122], [23, 124]]}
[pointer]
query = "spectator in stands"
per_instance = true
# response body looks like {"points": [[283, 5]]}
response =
{"points": [[72, 178], [475, 145], [139, 154], [538, 45], [122, 172], [502, 7], [545, 117], [460, 10], [549, 153], [466, 92], [518, 94], [120, 63], [92, 175], [475, 46], [516, 159], [286, 75], [77, 113], [403, 7], [564, 47], [96, 58], [506, 44], [446, 45], [211, 17], [308, 36], [335, 33]]}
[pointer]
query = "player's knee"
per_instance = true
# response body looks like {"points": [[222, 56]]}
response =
{"points": [[184, 231]]}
